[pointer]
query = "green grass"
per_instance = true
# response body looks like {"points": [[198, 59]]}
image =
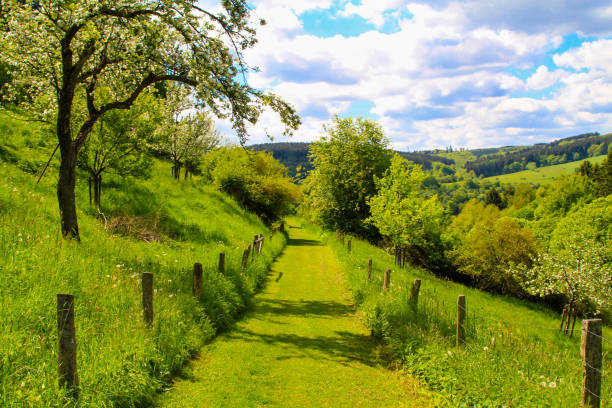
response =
{"points": [[512, 345], [542, 175], [302, 345], [121, 362]]}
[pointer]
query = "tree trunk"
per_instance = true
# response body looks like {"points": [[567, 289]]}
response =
{"points": [[97, 190], [186, 172], [65, 193]]}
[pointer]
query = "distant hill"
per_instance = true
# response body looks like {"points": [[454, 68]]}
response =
{"points": [[295, 156], [487, 162]]}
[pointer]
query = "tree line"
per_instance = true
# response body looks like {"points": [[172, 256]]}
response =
{"points": [[551, 243], [561, 151]]}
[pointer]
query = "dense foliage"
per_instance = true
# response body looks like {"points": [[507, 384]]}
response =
{"points": [[256, 180], [408, 219], [346, 160]]}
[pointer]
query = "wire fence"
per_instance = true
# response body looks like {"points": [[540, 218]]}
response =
{"points": [[472, 335]]}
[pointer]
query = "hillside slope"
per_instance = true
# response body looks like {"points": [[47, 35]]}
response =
{"points": [[121, 361], [513, 355]]}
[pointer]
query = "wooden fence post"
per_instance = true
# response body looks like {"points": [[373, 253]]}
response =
{"points": [[66, 352], [461, 312], [197, 280], [563, 316], [254, 244], [245, 257], [260, 247], [348, 244], [222, 263], [147, 297], [369, 269], [590, 351], [414, 295], [387, 279]]}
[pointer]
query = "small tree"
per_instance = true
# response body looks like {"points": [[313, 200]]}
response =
{"points": [[400, 213], [65, 51], [120, 144], [187, 135]]}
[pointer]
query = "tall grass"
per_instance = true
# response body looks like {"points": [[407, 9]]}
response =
{"points": [[121, 362], [514, 355]]}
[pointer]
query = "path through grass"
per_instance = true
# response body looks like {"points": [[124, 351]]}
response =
{"points": [[303, 345]]}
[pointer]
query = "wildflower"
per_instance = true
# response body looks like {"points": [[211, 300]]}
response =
{"points": [[108, 276], [22, 384], [450, 353], [552, 384], [171, 295], [43, 386], [169, 280], [485, 348], [543, 384], [542, 377]]}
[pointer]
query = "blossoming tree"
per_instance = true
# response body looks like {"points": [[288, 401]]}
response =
{"points": [[65, 51]]}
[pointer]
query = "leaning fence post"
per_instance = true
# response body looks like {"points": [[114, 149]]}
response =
{"points": [[369, 269], [461, 320], [245, 257], [414, 295], [348, 244], [387, 279], [66, 352], [147, 297], [197, 280], [222, 263], [260, 246], [590, 351], [254, 243]]}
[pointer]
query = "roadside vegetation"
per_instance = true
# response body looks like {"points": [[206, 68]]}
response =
{"points": [[514, 353], [156, 225]]}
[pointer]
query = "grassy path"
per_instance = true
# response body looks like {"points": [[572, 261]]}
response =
{"points": [[301, 346]]}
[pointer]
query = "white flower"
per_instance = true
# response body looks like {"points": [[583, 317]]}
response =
{"points": [[552, 384], [485, 348], [543, 384]]}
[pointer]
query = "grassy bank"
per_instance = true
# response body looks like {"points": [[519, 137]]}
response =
{"points": [[514, 355], [121, 362]]}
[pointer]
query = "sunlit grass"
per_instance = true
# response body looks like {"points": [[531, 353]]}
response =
{"points": [[514, 355], [121, 362]]}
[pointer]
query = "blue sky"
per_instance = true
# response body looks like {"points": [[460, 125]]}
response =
{"points": [[434, 73]]}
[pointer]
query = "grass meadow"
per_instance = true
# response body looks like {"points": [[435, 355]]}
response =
{"points": [[514, 355], [121, 362], [542, 175]]}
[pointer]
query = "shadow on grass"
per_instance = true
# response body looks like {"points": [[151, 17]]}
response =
{"points": [[343, 347], [302, 308], [303, 242]]}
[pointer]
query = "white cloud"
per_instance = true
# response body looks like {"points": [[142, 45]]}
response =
{"points": [[543, 78], [443, 78]]}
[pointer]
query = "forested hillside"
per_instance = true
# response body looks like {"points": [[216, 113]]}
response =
{"points": [[479, 162]]}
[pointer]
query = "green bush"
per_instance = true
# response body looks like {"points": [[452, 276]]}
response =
{"points": [[255, 179]]}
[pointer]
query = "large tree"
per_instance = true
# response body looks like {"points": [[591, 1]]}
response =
{"points": [[65, 51], [345, 162]]}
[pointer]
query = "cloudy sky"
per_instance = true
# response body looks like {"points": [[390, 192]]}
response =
{"points": [[437, 73]]}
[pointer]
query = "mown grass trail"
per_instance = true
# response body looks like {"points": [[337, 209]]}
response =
{"points": [[303, 345]]}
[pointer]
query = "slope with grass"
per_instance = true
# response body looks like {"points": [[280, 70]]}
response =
{"points": [[121, 362], [514, 354], [542, 175], [302, 345]]}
